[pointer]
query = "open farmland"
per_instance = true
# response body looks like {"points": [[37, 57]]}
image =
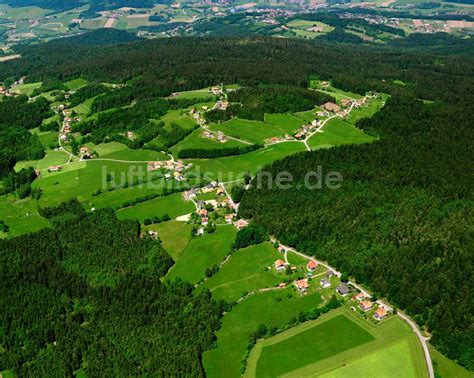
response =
{"points": [[248, 130], [275, 308], [347, 344], [202, 253], [173, 205], [246, 271]]}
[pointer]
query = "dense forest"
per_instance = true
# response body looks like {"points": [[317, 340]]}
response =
{"points": [[401, 221], [85, 295], [16, 142]]}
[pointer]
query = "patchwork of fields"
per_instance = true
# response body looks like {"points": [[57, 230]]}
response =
{"points": [[337, 344]]}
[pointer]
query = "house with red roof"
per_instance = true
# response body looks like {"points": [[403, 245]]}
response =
{"points": [[302, 285], [380, 313], [280, 265], [358, 297], [365, 305], [311, 266]]}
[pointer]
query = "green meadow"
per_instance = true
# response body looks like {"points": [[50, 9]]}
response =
{"points": [[27, 88], [337, 132], [287, 122], [174, 236], [234, 167], [20, 215], [248, 130], [342, 344], [196, 140], [246, 271], [119, 151], [174, 205], [273, 308], [201, 253], [333, 336], [75, 84]]}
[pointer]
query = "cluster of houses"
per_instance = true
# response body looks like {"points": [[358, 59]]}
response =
{"points": [[85, 153], [175, 168], [66, 129], [219, 136], [305, 130], [221, 105], [205, 207], [274, 140], [10, 92]]}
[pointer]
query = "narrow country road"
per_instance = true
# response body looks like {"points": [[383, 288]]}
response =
{"points": [[410, 322]]}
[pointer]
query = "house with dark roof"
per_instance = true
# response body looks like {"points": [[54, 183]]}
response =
{"points": [[343, 289]]}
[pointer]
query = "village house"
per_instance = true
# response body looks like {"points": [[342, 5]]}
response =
{"points": [[358, 297], [330, 273], [343, 289], [325, 283], [167, 176], [63, 137], [54, 168], [311, 266], [130, 135], [331, 107], [189, 194], [200, 231], [281, 249], [153, 234], [85, 152], [380, 313], [154, 165], [220, 191], [346, 102], [229, 218], [240, 224], [302, 285], [279, 265], [365, 305], [203, 212], [204, 221]]}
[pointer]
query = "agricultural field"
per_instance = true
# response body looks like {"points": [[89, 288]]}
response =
{"points": [[273, 308], [174, 236], [287, 122], [201, 253], [247, 270], [119, 151], [248, 130], [338, 132], [27, 88], [347, 344], [196, 140], [173, 205], [234, 167]]}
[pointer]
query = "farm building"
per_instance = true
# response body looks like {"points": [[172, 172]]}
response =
{"points": [[279, 265], [331, 107]]}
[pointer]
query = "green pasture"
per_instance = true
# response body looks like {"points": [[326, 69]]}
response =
{"points": [[174, 236], [201, 253], [273, 308], [325, 339], [288, 122], [248, 130], [174, 205], [27, 88], [51, 158], [361, 347], [234, 167], [337, 132], [246, 271], [196, 140], [367, 111], [119, 151], [75, 84]]}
